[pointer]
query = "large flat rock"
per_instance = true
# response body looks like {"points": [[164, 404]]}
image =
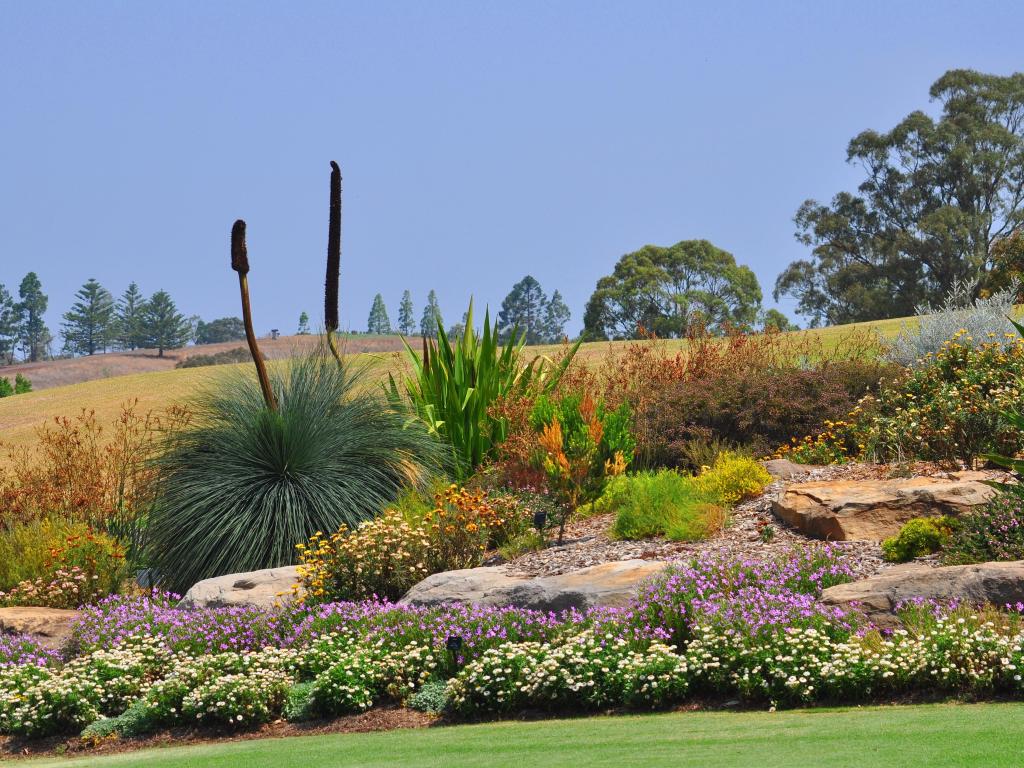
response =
{"points": [[998, 584], [264, 589], [873, 510], [50, 626], [608, 584]]}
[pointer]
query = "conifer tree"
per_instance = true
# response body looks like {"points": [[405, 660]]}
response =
{"points": [[130, 309], [8, 326], [523, 311], [431, 319], [33, 335], [406, 319], [378, 322], [89, 325], [163, 327]]}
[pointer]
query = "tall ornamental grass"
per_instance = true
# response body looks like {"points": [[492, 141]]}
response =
{"points": [[455, 383], [243, 484]]}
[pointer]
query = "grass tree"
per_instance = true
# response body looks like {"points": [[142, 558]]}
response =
{"points": [[267, 461]]}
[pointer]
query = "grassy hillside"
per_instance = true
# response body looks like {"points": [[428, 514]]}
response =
{"points": [[20, 416], [59, 373]]}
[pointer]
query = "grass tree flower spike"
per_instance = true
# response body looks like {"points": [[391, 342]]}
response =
{"points": [[240, 263], [333, 261]]}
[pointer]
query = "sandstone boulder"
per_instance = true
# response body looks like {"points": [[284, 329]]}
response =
{"points": [[50, 626], [261, 589], [608, 584], [872, 510], [877, 597]]}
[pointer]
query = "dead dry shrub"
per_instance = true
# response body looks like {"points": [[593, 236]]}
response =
{"points": [[80, 471]]}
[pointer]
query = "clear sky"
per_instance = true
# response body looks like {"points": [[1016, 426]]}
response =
{"points": [[480, 141]]}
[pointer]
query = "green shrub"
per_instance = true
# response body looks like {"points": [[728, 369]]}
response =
{"points": [[101, 729], [680, 507], [298, 705], [731, 478], [130, 724], [663, 503], [454, 385], [917, 538], [20, 387], [241, 485], [432, 698]]}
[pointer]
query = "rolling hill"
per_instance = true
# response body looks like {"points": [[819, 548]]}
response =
{"points": [[104, 383]]}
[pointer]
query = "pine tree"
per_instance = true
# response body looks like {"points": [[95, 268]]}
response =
{"points": [[130, 310], [556, 316], [88, 326], [33, 335], [378, 322], [523, 311], [406, 312], [163, 327], [8, 326], [431, 319], [303, 324]]}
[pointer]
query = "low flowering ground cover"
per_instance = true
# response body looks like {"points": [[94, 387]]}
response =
{"points": [[714, 626], [24, 650]]}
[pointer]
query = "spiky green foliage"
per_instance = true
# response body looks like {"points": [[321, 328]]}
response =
{"points": [[242, 485], [455, 383]]}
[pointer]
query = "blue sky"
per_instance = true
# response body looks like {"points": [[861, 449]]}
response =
{"points": [[480, 141]]}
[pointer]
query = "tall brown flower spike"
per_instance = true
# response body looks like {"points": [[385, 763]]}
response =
{"points": [[333, 261], [240, 263]]}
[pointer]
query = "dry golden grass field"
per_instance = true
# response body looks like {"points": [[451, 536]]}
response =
{"points": [[106, 382]]}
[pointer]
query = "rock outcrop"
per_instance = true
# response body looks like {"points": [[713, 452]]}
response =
{"points": [[878, 596], [261, 589], [607, 584], [50, 626], [873, 510]]}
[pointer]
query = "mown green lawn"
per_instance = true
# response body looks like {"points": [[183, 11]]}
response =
{"points": [[947, 735]]}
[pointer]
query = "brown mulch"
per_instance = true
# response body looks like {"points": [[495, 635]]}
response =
{"points": [[378, 719]]}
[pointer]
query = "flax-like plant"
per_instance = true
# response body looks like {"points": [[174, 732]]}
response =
{"points": [[455, 383], [242, 484]]}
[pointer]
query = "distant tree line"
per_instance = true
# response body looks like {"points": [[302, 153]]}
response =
{"points": [[527, 308], [97, 322]]}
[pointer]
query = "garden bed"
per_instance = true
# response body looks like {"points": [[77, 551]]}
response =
{"points": [[588, 540]]}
